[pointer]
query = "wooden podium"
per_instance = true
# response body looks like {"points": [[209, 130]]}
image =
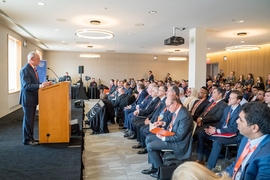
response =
{"points": [[55, 113]]}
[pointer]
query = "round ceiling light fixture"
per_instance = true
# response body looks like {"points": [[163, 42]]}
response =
{"points": [[94, 34], [242, 48]]}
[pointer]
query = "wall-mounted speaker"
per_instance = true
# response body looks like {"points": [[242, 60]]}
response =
{"points": [[81, 69]]}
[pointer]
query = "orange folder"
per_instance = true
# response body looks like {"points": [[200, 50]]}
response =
{"points": [[162, 132], [225, 135]]}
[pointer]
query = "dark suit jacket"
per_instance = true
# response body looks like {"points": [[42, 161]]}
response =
{"points": [[226, 99], [232, 125], [121, 101], [199, 109], [257, 166], [154, 115], [129, 91], [66, 78], [266, 84], [142, 96], [149, 107], [151, 78], [29, 86], [113, 88], [213, 117], [182, 128]]}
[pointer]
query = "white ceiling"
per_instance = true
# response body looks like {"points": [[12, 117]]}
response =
{"points": [[218, 17]]}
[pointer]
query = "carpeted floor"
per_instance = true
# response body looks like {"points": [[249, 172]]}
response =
{"points": [[43, 162]]}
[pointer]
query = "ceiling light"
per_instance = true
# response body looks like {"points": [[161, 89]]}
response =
{"points": [[240, 21], [90, 55], [95, 22], [56, 30], [92, 34], [242, 48], [152, 12], [242, 34], [41, 3], [177, 58]]}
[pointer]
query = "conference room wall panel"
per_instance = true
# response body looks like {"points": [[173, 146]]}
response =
{"points": [[256, 62]]}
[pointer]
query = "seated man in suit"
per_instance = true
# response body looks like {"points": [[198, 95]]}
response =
{"points": [[200, 104], [131, 114], [122, 100], [227, 92], [182, 125], [128, 89], [139, 99], [109, 108], [213, 112], [253, 157], [140, 114], [267, 98], [228, 125]]}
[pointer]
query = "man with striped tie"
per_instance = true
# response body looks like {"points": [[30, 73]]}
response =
{"points": [[253, 157], [228, 126]]}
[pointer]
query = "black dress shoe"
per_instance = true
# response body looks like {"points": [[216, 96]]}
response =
{"points": [[31, 143], [137, 146], [133, 136], [127, 134], [149, 171], [154, 175], [144, 151]]}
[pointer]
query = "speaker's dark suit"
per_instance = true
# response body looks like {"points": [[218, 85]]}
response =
{"points": [[199, 109], [218, 142], [29, 100], [257, 167], [179, 142]]}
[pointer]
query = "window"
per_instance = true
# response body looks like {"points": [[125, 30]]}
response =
{"points": [[14, 64]]}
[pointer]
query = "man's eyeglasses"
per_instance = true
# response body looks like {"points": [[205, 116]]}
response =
{"points": [[168, 106]]}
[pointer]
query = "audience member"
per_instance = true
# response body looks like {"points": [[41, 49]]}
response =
{"points": [[227, 92], [253, 156], [252, 96], [194, 171], [66, 77], [93, 83], [231, 78], [260, 96], [200, 104], [151, 77], [267, 82], [192, 96], [241, 79], [228, 126], [267, 98], [259, 82], [249, 81], [109, 116], [168, 78], [182, 125]]}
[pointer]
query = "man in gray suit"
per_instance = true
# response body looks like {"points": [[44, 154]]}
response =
{"points": [[29, 96], [182, 125]]}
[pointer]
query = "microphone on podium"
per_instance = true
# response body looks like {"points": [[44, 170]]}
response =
{"points": [[54, 73]]}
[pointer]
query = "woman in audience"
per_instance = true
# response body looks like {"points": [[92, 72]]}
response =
{"points": [[195, 171], [241, 79], [192, 96], [249, 81], [259, 82]]}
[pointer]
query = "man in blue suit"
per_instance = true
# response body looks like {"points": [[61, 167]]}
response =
{"points": [[29, 96], [228, 126], [253, 157]]}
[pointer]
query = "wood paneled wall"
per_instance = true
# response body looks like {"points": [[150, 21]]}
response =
{"points": [[256, 62]]}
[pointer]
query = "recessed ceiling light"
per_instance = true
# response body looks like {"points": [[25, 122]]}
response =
{"points": [[129, 33], [41, 3], [242, 34], [61, 20], [63, 42], [56, 30], [139, 24], [95, 22], [208, 48], [240, 21], [152, 12], [242, 42]]}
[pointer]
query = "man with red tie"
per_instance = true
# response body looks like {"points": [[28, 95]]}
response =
{"points": [[253, 157], [29, 96], [213, 112], [228, 126], [181, 125]]}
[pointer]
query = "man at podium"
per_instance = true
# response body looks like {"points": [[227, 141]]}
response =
{"points": [[29, 96]]}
